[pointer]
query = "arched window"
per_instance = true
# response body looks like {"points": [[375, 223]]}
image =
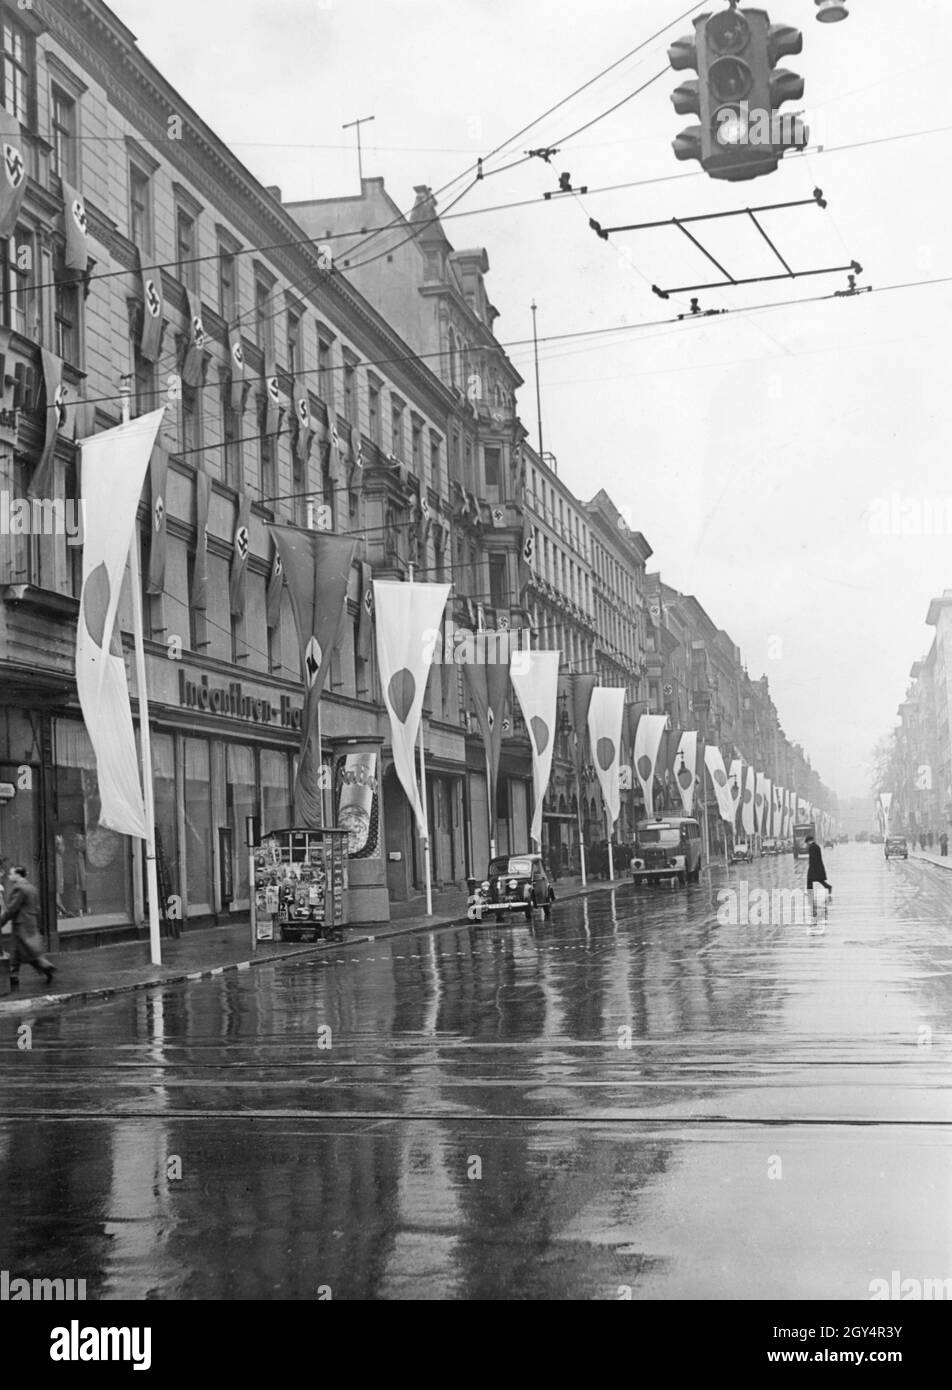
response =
{"points": [[452, 358]]}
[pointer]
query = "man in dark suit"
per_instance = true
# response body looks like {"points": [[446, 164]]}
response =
{"points": [[22, 911], [816, 870]]}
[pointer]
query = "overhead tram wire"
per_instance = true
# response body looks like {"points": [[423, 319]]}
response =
{"points": [[534, 201], [478, 167], [577, 334]]}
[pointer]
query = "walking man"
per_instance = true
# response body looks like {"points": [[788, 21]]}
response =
{"points": [[944, 844], [816, 870], [22, 911]]}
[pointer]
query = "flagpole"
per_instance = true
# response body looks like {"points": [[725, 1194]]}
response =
{"points": [[581, 837], [145, 733], [491, 808], [611, 862], [426, 814]]}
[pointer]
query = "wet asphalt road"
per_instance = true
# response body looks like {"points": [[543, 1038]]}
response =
{"points": [[475, 1126]]}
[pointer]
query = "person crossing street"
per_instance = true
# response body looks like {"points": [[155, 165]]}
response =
{"points": [[816, 869], [22, 911]]}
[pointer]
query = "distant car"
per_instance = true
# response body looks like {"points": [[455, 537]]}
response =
{"points": [[516, 883], [875, 839], [740, 854], [896, 847], [769, 846], [829, 844]]}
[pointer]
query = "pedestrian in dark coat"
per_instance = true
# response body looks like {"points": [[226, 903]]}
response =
{"points": [[943, 844], [816, 870], [22, 911], [930, 837]]}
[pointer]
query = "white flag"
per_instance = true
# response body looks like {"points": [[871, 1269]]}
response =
{"points": [[735, 780], [114, 466], [408, 627], [535, 679], [647, 742], [885, 805], [715, 766], [749, 806], [763, 804], [685, 769], [606, 715]]}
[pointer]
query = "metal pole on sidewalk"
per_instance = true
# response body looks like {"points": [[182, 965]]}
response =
{"points": [[611, 862], [250, 842], [145, 734]]}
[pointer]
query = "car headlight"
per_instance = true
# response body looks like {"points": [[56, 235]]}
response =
{"points": [[484, 887], [638, 863], [513, 883]]}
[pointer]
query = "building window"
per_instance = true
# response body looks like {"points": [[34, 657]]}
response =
{"points": [[263, 319], [373, 407], [191, 420], [186, 249], [231, 436], [269, 476], [93, 885], [498, 587], [17, 84], [140, 209], [469, 481], [350, 390], [294, 360], [325, 372], [396, 428], [144, 387], [64, 134], [435, 463], [275, 790], [198, 824], [66, 316], [491, 464], [228, 284], [21, 309], [416, 433]]}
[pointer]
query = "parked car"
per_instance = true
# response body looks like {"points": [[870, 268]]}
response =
{"points": [[829, 844], [514, 883], [669, 848], [769, 846], [875, 839], [741, 854], [896, 847]]}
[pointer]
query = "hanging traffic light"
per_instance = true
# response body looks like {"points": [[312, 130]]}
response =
{"points": [[742, 133]]}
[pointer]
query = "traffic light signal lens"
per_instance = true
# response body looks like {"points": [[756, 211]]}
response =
{"points": [[730, 126], [730, 79], [728, 32]]}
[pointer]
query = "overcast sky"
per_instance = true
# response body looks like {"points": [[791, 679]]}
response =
{"points": [[750, 448]]}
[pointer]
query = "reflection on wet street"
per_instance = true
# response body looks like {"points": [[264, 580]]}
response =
{"points": [[632, 1097]]}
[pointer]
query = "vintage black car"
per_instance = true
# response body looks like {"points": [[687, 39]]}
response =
{"points": [[896, 847], [515, 883]]}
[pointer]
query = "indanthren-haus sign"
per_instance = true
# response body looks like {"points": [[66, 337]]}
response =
{"points": [[231, 702]]}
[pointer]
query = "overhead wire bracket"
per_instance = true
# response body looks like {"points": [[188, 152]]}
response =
{"points": [[730, 280]]}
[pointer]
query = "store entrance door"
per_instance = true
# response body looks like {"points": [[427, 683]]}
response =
{"points": [[19, 821]]}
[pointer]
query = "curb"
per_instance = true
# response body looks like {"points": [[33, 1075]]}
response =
{"points": [[35, 1002], [922, 859]]}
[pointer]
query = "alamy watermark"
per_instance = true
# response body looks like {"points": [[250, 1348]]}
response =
{"points": [[459, 646], [14, 1290], [899, 515], [759, 907], [43, 516]]}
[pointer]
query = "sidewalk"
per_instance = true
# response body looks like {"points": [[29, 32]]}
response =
{"points": [[204, 953], [930, 858]]}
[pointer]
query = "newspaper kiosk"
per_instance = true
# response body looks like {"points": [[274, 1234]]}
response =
{"points": [[299, 885]]}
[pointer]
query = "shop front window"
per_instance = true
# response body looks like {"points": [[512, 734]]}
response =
{"points": [[198, 825], [275, 791], [93, 864], [242, 801], [163, 780]]}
